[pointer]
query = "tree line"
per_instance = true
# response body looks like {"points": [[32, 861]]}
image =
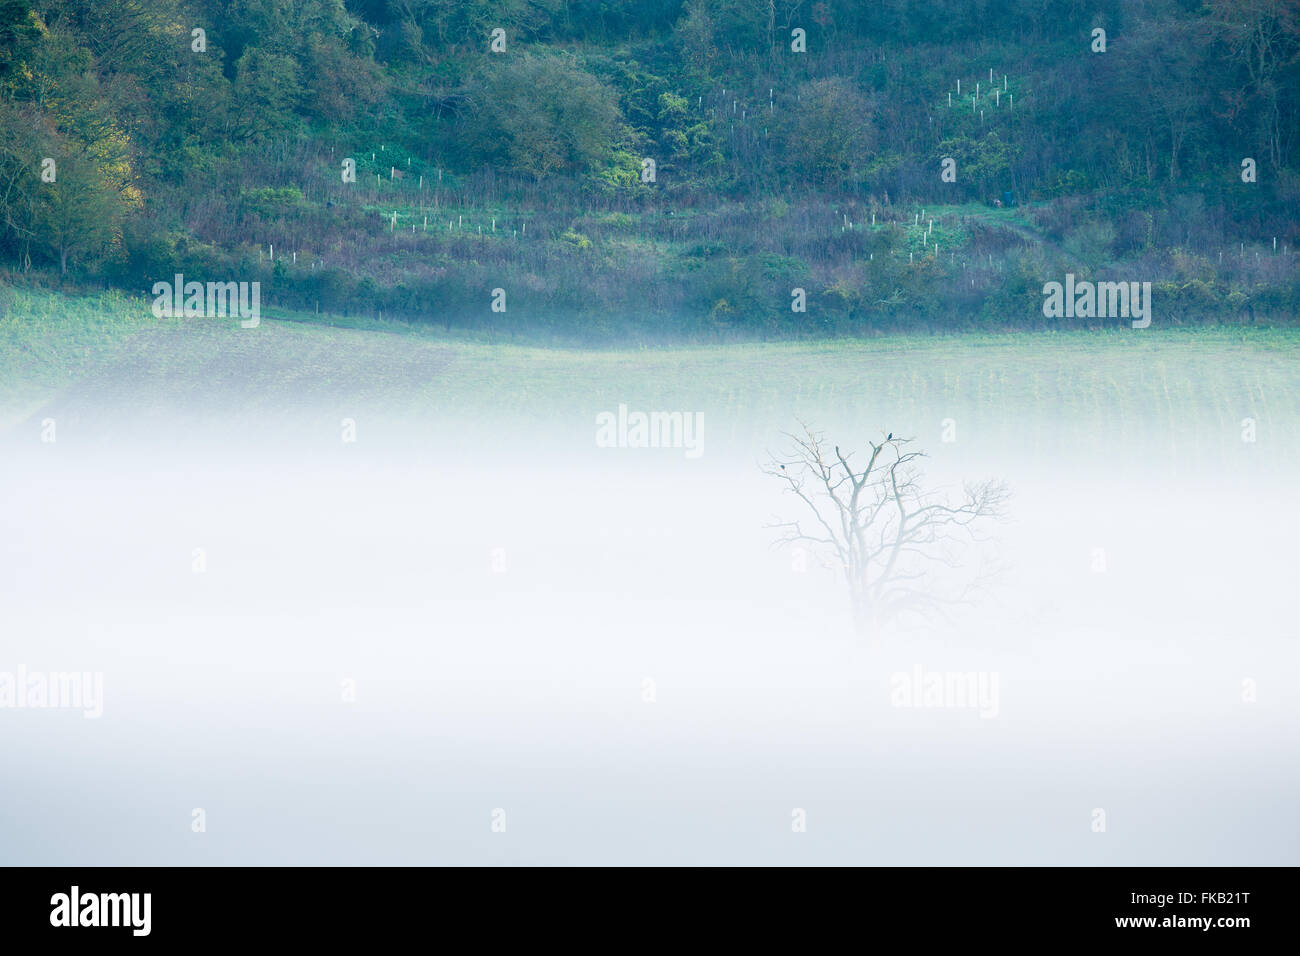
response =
{"points": [[141, 135]]}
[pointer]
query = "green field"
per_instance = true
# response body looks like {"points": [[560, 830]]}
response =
{"points": [[1192, 385]]}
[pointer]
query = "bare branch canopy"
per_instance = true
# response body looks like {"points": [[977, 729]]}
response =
{"points": [[875, 521]]}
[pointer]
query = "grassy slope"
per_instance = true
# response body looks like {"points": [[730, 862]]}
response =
{"points": [[1113, 380], [47, 341]]}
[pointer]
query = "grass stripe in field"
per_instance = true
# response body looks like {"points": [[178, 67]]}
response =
{"points": [[1114, 380], [48, 340]]}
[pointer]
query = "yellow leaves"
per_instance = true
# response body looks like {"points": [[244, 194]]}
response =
{"points": [[577, 238], [38, 23], [843, 290]]}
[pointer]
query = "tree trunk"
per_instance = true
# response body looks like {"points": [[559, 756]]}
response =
{"points": [[865, 623]]}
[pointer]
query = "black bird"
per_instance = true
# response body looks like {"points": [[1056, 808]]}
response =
{"points": [[891, 437]]}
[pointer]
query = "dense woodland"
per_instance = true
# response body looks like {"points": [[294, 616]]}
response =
{"points": [[209, 138]]}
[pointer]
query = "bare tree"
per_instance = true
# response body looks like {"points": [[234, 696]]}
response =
{"points": [[894, 542]]}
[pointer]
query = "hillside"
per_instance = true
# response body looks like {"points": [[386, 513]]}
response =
{"points": [[658, 172]]}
